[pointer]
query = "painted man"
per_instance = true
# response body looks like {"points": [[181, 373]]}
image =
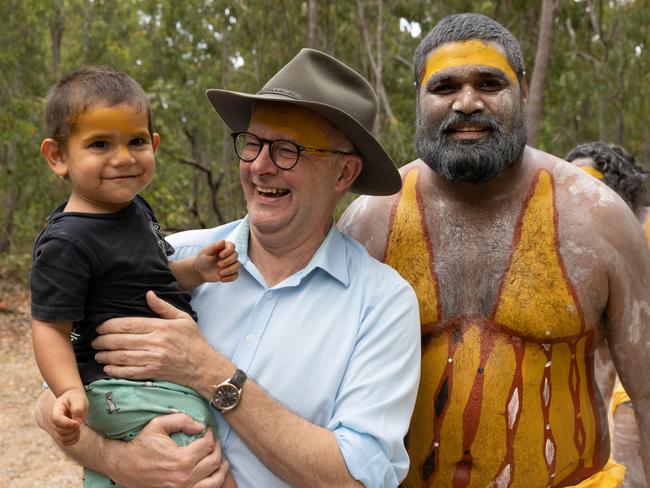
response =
{"points": [[618, 169], [517, 283]]}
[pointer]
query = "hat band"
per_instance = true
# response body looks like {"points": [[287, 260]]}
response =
{"points": [[280, 91]]}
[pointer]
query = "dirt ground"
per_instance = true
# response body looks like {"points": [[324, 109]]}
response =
{"points": [[28, 457]]}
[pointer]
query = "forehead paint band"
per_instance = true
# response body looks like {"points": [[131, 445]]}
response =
{"points": [[472, 52], [122, 117], [593, 172], [298, 123]]}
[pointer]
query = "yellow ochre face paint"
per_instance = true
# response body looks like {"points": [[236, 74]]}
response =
{"points": [[593, 172], [297, 123], [124, 118], [472, 52]]}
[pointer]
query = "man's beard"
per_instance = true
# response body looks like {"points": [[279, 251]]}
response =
{"points": [[470, 161]]}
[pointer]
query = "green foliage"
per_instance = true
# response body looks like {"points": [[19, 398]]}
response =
{"points": [[597, 87]]}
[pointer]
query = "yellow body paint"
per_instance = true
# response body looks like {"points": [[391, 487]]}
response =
{"points": [[492, 429], [472, 52], [507, 398], [298, 123], [611, 476], [536, 255], [419, 271], [562, 407], [593, 172], [99, 119], [465, 362], [529, 437]]}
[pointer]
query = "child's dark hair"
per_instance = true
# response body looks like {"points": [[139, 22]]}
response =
{"points": [[77, 91], [622, 173]]}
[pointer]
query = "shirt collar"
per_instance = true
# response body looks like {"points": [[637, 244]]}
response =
{"points": [[331, 256]]}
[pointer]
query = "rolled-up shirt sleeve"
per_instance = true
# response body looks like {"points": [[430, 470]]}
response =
{"points": [[377, 395]]}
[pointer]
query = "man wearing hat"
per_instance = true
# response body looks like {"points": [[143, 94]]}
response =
{"points": [[311, 358]]}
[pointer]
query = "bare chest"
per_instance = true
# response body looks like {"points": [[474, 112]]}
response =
{"points": [[520, 267]]}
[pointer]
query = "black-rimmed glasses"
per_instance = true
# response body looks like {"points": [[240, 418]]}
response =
{"points": [[284, 154]]}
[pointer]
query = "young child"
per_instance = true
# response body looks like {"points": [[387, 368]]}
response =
{"points": [[100, 253]]}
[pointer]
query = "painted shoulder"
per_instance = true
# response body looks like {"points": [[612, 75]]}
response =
{"points": [[368, 218], [365, 267], [585, 201]]}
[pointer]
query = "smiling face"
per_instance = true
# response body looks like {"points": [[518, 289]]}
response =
{"points": [[295, 205], [471, 112], [108, 158]]}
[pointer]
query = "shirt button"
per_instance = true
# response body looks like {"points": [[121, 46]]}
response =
{"points": [[269, 294], [250, 338]]}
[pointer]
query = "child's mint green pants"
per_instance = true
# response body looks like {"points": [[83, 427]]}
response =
{"points": [[119, 409]]}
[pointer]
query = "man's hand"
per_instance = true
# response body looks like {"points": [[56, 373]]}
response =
{"points": [[68, 413], [152, 458], [217, 262], [156, 460], [169, 348]]}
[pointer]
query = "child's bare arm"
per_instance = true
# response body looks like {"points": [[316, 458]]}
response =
{"points": [[215, 262], [57, 363]]}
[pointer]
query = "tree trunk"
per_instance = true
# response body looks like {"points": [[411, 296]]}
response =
{"points": [[233, 205], [56, 35], [312, 23], [11, 197], [86, 30], [538, 79], [200, 162], [376, 62]]}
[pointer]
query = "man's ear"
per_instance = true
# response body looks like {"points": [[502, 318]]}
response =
{"points": [[53, 154], [155, 140], [352, 166], [523, 87]]}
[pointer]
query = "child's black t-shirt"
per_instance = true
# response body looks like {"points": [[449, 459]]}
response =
{"points": [[89, 268]]}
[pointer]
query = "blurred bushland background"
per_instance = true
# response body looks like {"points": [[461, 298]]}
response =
{"points": [[587, 65], [587, 62]]}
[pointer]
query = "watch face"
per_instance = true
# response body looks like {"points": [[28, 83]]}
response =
{"points": [[225, 396]]}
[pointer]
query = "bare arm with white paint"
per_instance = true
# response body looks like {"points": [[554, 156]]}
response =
{"points": [[368, 219], [627, 317], [372, 230]]}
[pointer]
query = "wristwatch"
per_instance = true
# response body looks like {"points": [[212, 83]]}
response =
{"points": [[226, 395]]}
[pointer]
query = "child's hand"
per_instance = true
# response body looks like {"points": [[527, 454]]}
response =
{"points": [[218, 262], [68, 413]]}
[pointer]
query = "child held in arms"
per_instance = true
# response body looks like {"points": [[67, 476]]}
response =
{"points": [[99, 255]]}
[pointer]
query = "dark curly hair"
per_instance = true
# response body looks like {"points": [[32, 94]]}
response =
{"points": [[622, 173]]}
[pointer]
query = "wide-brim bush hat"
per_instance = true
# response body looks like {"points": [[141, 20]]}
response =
{"points": [[323, 84]]}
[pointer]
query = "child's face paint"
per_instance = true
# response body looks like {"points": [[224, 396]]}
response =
{"points": [[122, 118], [109, 157], [472, 52], [295, 123]]}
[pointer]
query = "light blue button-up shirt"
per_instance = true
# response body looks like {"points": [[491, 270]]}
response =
{"points": [[338, 343]]}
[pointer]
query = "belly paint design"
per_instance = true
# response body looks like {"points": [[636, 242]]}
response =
{"points": [[505, 400]]}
